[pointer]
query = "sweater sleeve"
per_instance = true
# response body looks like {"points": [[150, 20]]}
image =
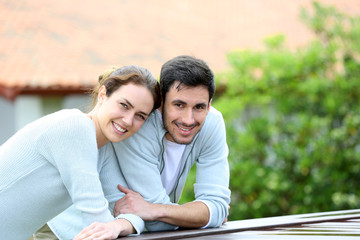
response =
{"points": [[212, 172], [143, 176], [67, 224], [138, 158], [110, 176], [72, 149]]}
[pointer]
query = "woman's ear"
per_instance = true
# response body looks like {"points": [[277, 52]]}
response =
{"points": [[102, 94]]}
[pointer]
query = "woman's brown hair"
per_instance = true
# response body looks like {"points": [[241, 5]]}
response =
{"points": [[113, 78]]}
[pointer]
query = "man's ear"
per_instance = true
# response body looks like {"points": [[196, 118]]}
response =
{"points": [[209, 105], [102, 94], [161, 107]]}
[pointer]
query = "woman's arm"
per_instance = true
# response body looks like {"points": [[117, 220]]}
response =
{"points": [[109, 230], [74, 154]]}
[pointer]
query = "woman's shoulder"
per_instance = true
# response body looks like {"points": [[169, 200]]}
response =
{"points": [[66, 122], [67, 116]]}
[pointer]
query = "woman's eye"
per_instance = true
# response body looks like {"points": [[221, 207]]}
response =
{"points": [[124, 105], [141, 117]]}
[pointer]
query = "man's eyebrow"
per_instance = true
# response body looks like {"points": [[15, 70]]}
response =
{"points": [[201, 105], [178, 101]]}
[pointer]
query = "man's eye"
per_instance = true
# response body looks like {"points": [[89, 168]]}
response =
{"points": [[179, 105]]}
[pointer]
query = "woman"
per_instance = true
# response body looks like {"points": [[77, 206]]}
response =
{"points": [[52, 163]]}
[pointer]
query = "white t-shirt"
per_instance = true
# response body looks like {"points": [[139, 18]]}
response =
{"points": [[170, 173], [173, 154]]}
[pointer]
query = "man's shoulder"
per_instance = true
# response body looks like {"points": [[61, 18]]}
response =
{"points": [[153, 123], [214, 112], [214, 117], [213, 125]]}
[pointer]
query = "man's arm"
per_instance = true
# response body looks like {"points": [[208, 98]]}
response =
{"points": [[188, 215], [212, 169]]}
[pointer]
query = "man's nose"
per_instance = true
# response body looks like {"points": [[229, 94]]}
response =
{"points": [[188, 117]]}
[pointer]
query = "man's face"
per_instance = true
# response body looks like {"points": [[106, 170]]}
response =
{"points": [[184, 112]]}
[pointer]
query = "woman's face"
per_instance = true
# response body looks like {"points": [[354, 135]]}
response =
{"points": [[123, 113]]}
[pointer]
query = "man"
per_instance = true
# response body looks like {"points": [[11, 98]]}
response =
{"points": [[155, 162], [185, 131]]}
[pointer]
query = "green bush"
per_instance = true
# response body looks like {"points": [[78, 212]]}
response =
{"points": [[293, 121]]}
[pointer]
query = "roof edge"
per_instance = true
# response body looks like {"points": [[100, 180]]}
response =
{"points": [[11, 93]]}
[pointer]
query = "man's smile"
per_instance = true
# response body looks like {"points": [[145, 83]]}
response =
{"points": [[185, 130]]}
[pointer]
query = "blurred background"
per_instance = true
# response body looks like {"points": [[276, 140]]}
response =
{"points": [[287, 72]]}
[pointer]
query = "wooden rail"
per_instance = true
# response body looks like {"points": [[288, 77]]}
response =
{"points": [[327, 225]]}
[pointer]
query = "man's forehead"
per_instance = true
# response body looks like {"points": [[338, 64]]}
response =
{"points": [[181, 86], [189, 95]]}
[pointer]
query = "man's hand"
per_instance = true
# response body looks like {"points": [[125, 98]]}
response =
{"points": [[134, 203]]}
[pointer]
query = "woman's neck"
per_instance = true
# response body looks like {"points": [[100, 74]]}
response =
{"points": [[101, 140]]}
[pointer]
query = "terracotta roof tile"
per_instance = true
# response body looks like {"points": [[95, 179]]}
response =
{"points": [[66, 43]]}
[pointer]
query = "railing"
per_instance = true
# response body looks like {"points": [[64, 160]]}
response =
{"points": [[327, 225]]}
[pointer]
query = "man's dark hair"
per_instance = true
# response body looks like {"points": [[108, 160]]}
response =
{"points": [[189, 71]]}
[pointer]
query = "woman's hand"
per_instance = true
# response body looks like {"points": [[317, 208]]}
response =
{"points": [[105, 231]]}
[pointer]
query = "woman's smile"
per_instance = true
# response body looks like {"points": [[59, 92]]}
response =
{"points": [[118, 129]]}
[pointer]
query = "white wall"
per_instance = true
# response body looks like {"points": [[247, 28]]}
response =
{"points": [[7, 119], [80, 101], [28, 108]]}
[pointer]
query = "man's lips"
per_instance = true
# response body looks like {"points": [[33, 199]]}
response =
{"points": [[185, 130]]}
